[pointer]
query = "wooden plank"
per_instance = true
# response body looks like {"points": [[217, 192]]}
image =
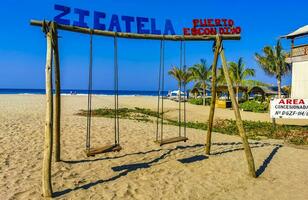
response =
{"points": [[239, 122], [137, 36], [104, 149], [47, 156], [171, 140]]}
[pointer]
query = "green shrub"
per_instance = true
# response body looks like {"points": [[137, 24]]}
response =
{"points": [[199, 101], [258, 98], [254, 106]]}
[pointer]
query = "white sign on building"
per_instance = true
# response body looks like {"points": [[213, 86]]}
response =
{"points": [[299, 60], [289, 108]]}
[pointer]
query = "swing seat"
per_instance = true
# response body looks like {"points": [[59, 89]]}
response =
{"points": [[104, 149], [171, 140]]}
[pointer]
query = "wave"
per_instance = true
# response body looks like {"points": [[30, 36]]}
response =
{"points": [[67, 92]]}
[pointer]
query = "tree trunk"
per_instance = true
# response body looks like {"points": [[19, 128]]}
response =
{"points": [[239, 122], [279, 86], [237, 93], [213, 99], [203, 96], [46, 178], [279, 96]]}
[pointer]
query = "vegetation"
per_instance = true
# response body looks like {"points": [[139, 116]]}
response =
{"points": [[273, 63], [139, 114], [186, 77], [182, 76], [199, 101], [220, 77], [239, 73], [201, 74], [176, 73], [254, 106], [254, 129]]}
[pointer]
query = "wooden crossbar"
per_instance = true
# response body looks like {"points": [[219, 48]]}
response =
{"points": [[138, 36], [171, 140], [104, 149]]}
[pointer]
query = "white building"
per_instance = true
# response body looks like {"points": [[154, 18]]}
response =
{"points": [[299, 59]]}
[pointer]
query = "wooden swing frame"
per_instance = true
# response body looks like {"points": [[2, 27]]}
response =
{"points": [[116, 147], [53, 109], [160, 140]]}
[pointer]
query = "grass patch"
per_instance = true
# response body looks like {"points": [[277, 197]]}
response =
{"points": [[139, 114], [254, 129]]}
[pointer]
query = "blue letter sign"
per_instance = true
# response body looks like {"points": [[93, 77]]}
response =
{"points": [[140, 25], [82, 14], [114, 23], [169, 27], [128, 20], [97, 17], [101, 21], [64, 11]]}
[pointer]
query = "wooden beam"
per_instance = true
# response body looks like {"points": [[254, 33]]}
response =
{"points": [[46, 178], [135, 35], [213, 99], [239, 122], [57, 103]]}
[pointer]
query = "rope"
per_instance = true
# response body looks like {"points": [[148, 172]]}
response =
{"points": [[89, 113], [184, 59], [158, 91], [46, 27], [162, 89], [116, 92], [180, 88]]}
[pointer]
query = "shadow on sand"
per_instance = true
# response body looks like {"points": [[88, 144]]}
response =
{"points": [[267, 161], [125, 169]]}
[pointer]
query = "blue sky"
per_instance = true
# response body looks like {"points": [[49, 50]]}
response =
{"points": [[23, 48]]}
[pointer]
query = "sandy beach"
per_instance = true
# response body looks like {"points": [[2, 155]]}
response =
{"points": [[142, 170]]}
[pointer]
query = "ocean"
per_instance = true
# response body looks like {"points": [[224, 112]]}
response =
{"points": [[83, 92]]}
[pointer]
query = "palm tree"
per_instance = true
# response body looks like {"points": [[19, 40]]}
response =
{"points": [[186, 78], [177, 73], [273, 63], [201, 74], [239, 73], [221, 77]]}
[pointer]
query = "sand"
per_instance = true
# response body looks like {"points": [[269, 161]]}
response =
{"points": [[142, 170]]}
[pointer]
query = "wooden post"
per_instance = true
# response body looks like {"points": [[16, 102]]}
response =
{"points": [[213, 99], [57, 103], [46, 178], [239, 122]]}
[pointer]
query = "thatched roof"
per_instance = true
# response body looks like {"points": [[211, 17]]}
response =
{"points": [[224, 88], [271, 90], [198, 90], [220, 88]]}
